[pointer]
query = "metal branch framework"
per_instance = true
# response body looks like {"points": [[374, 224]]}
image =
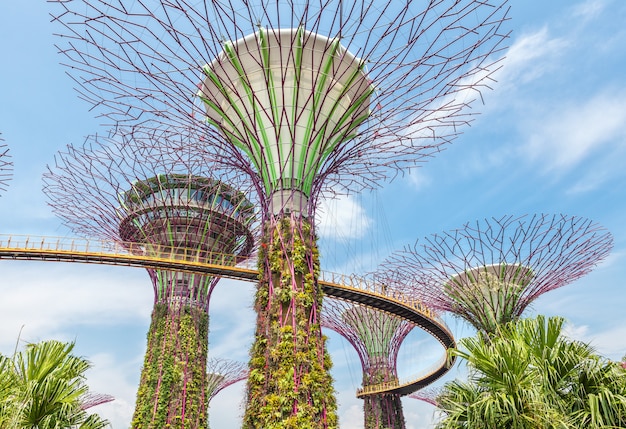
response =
{"points": [[353, 92], [376, 336], [149, 191], [489, 271], [222, 373], [429, 395], [6, 165], [303, 97]]}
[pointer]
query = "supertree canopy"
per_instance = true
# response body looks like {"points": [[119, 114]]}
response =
{"points": [[131, 191], [376, 336], [223, 373], [6, 166], [302, 94], [429, 395], [303, 97], [489, 271]]}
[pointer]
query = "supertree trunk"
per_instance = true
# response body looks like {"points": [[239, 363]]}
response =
{"points": [[289, 384], [383, 412], [172, 390]]}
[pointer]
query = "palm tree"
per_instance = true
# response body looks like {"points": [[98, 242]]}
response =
{"points": [[530, 376], [43, 387]]}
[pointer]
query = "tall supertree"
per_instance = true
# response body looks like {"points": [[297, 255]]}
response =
{"points": [[6, 165], [304, 97], [376, 336], [488, 272], [131, 191]]}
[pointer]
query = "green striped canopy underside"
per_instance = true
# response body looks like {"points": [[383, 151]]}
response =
{"points": [[489, 295], [375, 329], [287, 98]]}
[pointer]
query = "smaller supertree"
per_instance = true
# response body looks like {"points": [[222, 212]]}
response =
{"points": [[6, 165], [376, 336], [222, 373], [429, 395], [488, 272], [151, 193]]}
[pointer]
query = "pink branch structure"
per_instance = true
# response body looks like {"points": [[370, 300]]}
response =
{"points": [[489, 271], [91, 400], [368, 87], [133, 191], [428, 395], [376, 336], [6, 165], [303, 97], [222, 373]]}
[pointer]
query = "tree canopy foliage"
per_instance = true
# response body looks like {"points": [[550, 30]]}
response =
{"points": [[529, 375], [43, 387]]}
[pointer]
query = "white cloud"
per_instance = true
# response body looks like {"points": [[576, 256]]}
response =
{"points": [[418, 179], [530, 57], [561, 138], [46, 299], [342, 217], [589, 9]]}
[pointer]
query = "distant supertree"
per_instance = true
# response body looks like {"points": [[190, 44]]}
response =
{"points": [[222, 373], [376, 336], [428, 395], [304, 97], [489, 271], [6, 165], [161, 202]]}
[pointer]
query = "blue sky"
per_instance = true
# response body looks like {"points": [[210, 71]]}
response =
{"points": [[551, 138]]}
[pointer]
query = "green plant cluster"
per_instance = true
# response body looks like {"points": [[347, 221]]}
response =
{"points": [[289, 385], [43, 387], [172, 390], [528, 375]]}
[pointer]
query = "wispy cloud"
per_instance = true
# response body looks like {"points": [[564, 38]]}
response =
{"points": [[589, 9], [50, 300], [343, 218], [530, 57], [571, 132]]}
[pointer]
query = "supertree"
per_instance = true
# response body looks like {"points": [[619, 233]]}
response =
{"points": [[488, 272], [6, 165], [164, 203], [376, 336], [303, 97], [223, 373], [428, 395]]}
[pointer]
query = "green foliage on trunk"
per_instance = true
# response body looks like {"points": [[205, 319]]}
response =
{"points": [[289, 385], [172, 390]]}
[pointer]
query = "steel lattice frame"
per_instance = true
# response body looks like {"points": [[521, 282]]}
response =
{"points": [[6, 165], [376, 336], [304, 97], [131, 190], [223, 373], [424, 65], [429, 395], [489, 271]]}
